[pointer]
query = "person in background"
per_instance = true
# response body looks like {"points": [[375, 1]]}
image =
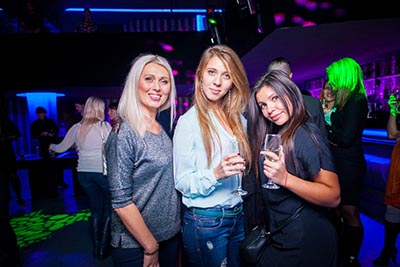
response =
{"points": [[392, 192], [88, 135], [113, 115], [345, 128], [304, 170], [312, 104], [205, 164], [145, 205], [327, 98], [8, 133], [79, 108], [30, 19], [45, 130]]}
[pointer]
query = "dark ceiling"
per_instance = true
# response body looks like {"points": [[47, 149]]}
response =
{"points": [[68, 60]]}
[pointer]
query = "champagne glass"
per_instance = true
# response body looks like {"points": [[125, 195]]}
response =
{"points": [[272, 143], [239, 190]]}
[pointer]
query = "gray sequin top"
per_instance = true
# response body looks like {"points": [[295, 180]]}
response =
{"points": [[140, 171]]}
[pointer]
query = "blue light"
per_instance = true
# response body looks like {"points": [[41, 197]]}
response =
{"points": [[47, 100], [200, 23], [375, 132], [142, 10]]}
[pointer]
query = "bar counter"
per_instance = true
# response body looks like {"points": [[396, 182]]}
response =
{"points": [[45, 173]]}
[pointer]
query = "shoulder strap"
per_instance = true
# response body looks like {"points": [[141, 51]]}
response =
{"points": [[289, 219], [101, 130]]}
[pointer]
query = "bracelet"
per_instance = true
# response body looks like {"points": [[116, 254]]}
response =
{"points": [[151, 253]]}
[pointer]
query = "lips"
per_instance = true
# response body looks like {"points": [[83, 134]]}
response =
{"points": [[215, 92], [155, 97], [275, 117]]}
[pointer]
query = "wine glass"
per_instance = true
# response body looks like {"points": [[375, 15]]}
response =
{"points": [[272, 143], [239, 190]]}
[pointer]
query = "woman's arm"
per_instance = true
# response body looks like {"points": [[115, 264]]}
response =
{"points": [[391, 127], [67, 142], [323, 190], [133, 221]]}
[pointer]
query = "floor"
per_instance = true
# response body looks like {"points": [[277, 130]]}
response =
{"points": [[54, 232]]}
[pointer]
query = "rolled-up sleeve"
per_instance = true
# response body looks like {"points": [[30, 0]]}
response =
{"points": [[192, 177]]}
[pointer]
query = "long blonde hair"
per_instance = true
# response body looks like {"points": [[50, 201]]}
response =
{"points": [[129, 106], [92, 114], [233, 104]]}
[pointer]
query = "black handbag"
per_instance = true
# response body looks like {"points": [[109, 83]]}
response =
{"points": [[252, 247], [255, 242]]}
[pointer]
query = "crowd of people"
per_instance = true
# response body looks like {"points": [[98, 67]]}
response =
{"points": [[169, 197]]}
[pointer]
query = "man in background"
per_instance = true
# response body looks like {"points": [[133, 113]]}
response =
{"points": [[44, 130]]}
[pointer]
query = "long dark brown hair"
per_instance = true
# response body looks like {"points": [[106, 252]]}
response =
{"points": [[259, 126]]}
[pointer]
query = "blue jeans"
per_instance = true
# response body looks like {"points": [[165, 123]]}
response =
{"points": [[96, 188], [130, 257], [212, 241]]}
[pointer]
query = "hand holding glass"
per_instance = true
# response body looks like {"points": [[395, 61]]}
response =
{"points": [[272, 143], [239, 191]]}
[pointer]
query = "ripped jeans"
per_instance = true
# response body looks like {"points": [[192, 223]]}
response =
{"points": [[213, 239]]}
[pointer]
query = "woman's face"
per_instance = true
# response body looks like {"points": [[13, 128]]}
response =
{"points": [[216, 80], [271, 105], [329, 94], [154, 86]]}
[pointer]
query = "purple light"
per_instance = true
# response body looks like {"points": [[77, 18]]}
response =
{"points": [[167, 47], [175, 72], [311, 5], [279, 18], [308, 23], [297, 20], [186, 104]]}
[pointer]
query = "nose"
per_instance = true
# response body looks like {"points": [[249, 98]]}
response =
{"points": [[157, 86], [217, 80], [270, 107]]}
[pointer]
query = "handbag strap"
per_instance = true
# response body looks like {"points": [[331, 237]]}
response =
{"points": [[288, 220], [101, 132]]}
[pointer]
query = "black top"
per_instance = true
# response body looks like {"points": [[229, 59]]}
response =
{"points": [[311, 239]]}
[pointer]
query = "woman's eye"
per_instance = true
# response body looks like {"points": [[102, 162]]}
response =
{"points": [[262, 105], [274, 98], [211, 72], [227, 76], [148, 79], [165, 82]]}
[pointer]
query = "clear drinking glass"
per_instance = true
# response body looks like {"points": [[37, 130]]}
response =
{"points": [[239, 147], [272, 143]]}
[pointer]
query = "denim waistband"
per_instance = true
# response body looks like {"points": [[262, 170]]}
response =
{"points": [[219, 212]]}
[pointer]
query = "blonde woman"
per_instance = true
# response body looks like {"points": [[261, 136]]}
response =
{"points": [[88, 136], [146, 209], [205, 164]]}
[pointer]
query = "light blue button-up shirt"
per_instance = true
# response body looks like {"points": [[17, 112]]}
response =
{"points": [[193, 178]]}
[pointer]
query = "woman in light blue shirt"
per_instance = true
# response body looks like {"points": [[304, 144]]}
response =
{"points": [[207, 162]]}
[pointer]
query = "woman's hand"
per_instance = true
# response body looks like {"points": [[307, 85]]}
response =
{"points": [[151, 260], [230, 165], [275, 167]]}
